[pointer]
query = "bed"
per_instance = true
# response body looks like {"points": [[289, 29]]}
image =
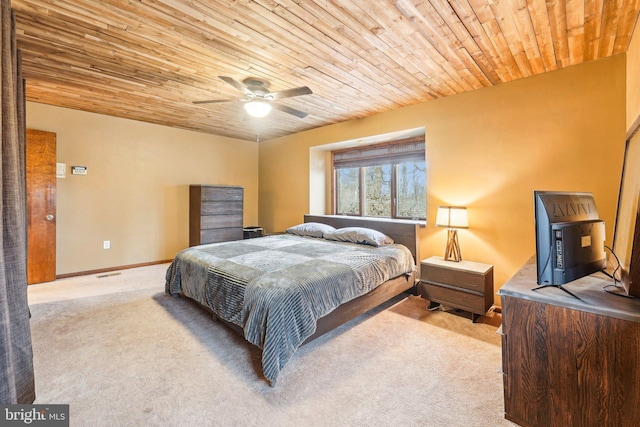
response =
{"points": [[284, 290]]}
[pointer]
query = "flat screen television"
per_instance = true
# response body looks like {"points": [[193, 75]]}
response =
{"points": [[569, 237]]}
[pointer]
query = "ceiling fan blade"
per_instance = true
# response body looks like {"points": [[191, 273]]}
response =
{"points": [[213, 101], [288, 93], [290, 110], [241, 87]]}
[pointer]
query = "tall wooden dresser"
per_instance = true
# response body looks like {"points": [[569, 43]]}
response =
{"points": [[215, 213]]}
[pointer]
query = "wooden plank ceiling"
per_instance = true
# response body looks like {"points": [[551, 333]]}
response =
{"points": [[149, 59]]}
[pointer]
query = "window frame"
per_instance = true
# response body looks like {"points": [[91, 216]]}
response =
{"points": [[398, 152]]}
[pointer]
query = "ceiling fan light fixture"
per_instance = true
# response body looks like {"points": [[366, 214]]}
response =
{"points": [[257, 108]]}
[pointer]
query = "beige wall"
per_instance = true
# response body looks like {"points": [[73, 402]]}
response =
{"points": [[136, 191], [489, 150]]}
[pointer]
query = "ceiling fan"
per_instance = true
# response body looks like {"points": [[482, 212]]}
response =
{"points": [[259, 100]]}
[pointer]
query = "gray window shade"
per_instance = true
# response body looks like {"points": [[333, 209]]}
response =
{"points": [[407, 150]]}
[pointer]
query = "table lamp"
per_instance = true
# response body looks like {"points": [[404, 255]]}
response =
{"points": [[452, 217]]}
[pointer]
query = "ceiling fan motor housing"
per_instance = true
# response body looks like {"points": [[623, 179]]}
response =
{"points": [[259, 87]]}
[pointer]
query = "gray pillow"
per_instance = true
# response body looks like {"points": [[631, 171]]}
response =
{"points": [[310, 229], [360, 235]]}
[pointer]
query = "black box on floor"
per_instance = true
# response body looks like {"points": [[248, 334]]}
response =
{"points": [[252, 232]]}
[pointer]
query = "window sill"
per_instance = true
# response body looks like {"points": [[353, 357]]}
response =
{"points": [[420, 222]]}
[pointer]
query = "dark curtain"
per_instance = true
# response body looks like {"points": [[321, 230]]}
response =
{"points": [[16, 355]]}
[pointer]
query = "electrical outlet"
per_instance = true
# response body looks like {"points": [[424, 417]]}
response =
{"points": [[106, 244]]}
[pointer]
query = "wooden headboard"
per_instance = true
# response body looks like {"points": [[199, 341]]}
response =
{"points": [[403, 232]]}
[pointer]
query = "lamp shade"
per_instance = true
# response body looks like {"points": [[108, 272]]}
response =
{"points": [[257, 108], [452, 217]]}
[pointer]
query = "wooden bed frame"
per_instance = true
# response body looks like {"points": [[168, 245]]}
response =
{"points": [[402, 232]]}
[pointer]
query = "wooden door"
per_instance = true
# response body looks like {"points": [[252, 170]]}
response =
{"points": [[41, 206]]}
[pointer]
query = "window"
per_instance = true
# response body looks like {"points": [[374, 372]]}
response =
{"points": [[384, 180], [348, 191]]}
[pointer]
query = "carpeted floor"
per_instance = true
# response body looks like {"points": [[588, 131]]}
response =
{"points": [[121, 353]]}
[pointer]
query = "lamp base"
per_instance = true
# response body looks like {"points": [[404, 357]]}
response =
{"points": [[452, 251]]}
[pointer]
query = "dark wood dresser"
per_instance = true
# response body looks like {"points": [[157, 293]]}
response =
{"points": [[569, 361], [215, 214], [465, 285]]}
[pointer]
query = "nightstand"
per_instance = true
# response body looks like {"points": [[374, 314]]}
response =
{"points": [[465, 285]]}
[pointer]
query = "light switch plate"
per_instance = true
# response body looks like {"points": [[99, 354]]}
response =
{"points": [[61, 170]]}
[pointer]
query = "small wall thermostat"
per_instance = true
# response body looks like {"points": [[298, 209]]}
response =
{"points": [[78, 170]]}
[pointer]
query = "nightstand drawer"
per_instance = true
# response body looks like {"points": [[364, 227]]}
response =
{"points": [[458, 278], [466, 285], [472, 302]]}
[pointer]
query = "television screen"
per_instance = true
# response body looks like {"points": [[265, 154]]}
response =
{"points": [[569, 237]]}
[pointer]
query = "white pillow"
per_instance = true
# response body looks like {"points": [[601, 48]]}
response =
{"points": [[310, 229], [360, 235]]}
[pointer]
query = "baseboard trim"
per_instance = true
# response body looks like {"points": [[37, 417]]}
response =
{"points": [[106, 270]]}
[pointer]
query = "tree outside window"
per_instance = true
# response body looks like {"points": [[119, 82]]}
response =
{"points": [[348, 189]]}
